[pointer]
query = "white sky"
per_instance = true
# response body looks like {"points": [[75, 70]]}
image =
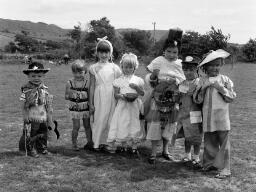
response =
{"points": [[236, 17]]}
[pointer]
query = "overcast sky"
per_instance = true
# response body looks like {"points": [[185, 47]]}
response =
{"points": [[236, 17]]}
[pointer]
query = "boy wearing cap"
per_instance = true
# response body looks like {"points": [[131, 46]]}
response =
{"points": [[36, 107], [215, 92], [189, 116]]}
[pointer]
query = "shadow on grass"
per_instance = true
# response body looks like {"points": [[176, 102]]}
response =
{"points": [[139, 168], [10, 154]]}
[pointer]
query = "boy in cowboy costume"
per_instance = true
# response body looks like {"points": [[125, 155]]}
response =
{"points": [[37, 108]]}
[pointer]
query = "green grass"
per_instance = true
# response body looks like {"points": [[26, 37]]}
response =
{"points": [[65, 170]]}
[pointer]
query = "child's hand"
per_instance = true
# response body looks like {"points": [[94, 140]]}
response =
{"points": [[154, 75], [133, 86], [219, 87], [91, 109], [206, 84], [26, 119]]}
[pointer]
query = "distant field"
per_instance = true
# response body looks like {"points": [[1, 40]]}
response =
{"points": [[65, 170], [5, 39]]}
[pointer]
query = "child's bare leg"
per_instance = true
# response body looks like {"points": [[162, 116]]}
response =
{"points": [[76, 127], [187, 150], [88, 130], [197, 152], [165, 146], [154, 148]]}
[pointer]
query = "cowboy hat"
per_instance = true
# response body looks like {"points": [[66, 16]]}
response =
{"points": [[212, 55], [35, 67]]}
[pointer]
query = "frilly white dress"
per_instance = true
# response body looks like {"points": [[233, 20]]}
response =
{"points": [[125, 125], [104, 101]]}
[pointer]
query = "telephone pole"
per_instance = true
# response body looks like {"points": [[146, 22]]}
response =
{"points": [[154, 33]]}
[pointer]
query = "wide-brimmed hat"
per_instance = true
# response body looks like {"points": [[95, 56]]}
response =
{"points": [[190, 60], [212, 55], [35, 67]]}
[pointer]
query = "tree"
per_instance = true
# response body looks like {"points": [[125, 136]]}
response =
{"points": [[75, 33], [138, 41], [249, 50], [99, 29], [26, 44], [11, 47]]}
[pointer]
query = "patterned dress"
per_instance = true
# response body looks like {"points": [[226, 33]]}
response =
{"points": [[78, 100]]}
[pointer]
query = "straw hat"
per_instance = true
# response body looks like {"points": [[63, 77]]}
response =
{"points": [[212, 55], [35, 67]]}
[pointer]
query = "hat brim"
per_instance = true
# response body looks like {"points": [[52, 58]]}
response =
{"points": [[27, 71], [214, 55]]}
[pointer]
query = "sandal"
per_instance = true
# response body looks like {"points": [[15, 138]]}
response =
{"points": [[152, 160], [196, 164], [186, 160], [120, 150], [222, 176], [167, 156]]}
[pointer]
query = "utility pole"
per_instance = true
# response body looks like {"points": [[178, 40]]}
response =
{"points": [[154, 33]]}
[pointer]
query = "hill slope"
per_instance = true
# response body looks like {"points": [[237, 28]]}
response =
{"points": [[41, 31]]}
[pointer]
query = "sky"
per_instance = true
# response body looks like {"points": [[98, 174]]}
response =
{"points": [[234, 17]]}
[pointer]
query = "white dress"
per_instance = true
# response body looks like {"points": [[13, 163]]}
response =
{"points": [[125, 125], [104, 101]]}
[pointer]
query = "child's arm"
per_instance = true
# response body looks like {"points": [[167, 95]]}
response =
{"points": [[199, 93], [117, 94], [91, 93], [67, 92]]}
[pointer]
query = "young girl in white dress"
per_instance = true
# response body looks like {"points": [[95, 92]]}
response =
{"points": [[125, 128], [101, 101]]}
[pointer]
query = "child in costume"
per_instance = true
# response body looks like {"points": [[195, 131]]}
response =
{"points": [[37, 107], [125, 128], [102, 100], [161, 104], [77, 93], [215, 92], [189, 115]]}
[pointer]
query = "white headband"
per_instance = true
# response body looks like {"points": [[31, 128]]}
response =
{"points": [[104, 39]]}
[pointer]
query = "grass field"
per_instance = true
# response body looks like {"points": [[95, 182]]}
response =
{"points": [[64, 170]]}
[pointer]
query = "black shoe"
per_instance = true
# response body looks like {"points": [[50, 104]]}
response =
{"points": [[152, 160], [89, 146], [167, 156]]}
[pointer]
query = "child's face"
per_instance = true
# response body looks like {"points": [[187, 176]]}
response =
{"points": [[171, 53], [128, 69], [79, 74], [190, 72], [212, 69], [104, 56], [36, 78]]}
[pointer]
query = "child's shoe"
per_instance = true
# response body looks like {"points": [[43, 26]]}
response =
{"points": [[33, 153], [196, 164], [152, 160], [167, 156], [89, 146], [45, 152]]}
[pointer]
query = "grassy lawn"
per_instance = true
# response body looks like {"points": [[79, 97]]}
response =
{"points": [[66, 170]]}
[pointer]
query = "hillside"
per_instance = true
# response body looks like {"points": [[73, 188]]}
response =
{"points": [[41, 31]]}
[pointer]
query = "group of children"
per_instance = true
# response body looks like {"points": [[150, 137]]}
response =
{"points": [[109, 100]]}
